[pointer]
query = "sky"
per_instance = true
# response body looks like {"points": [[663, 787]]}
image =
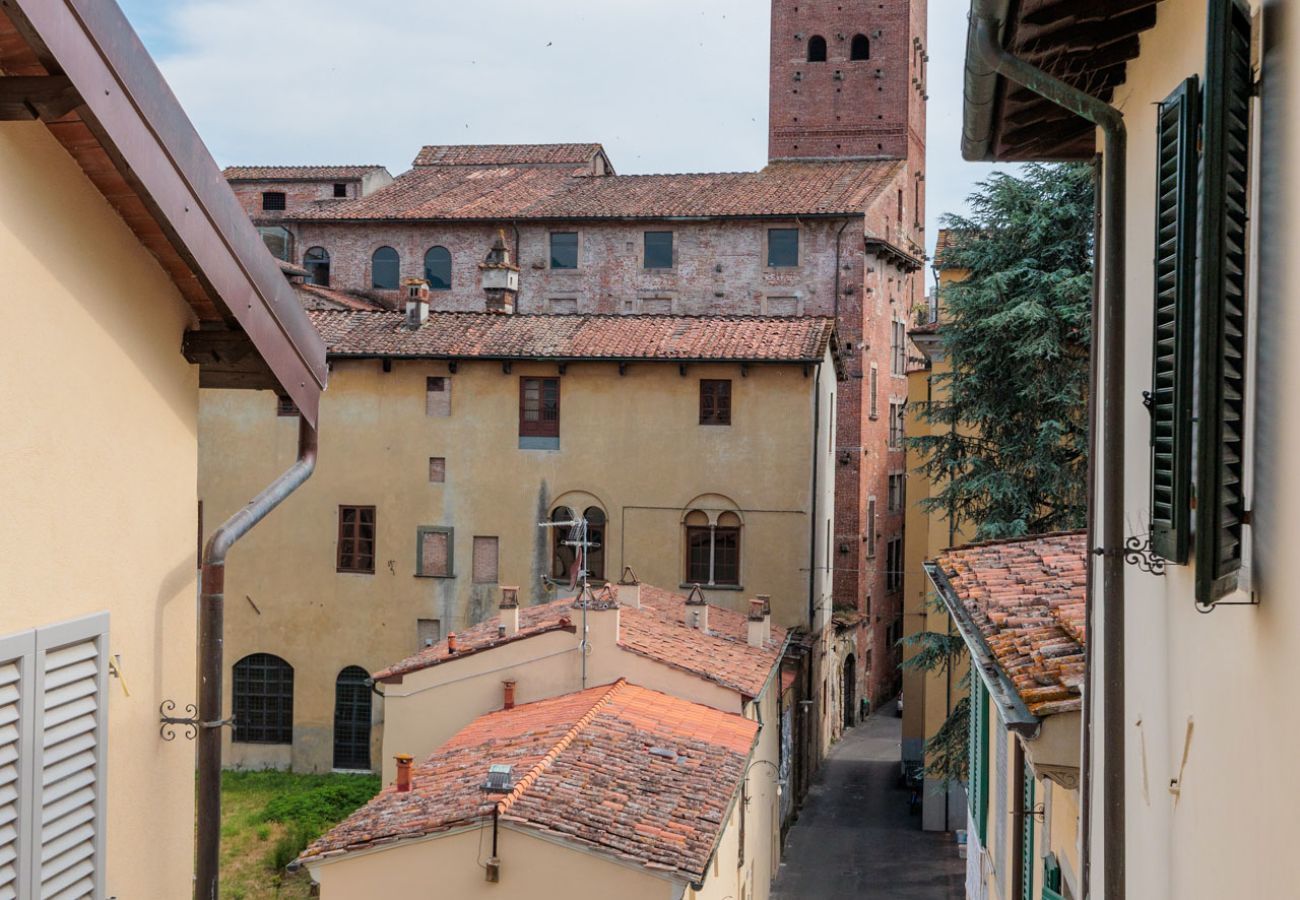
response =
{"points": [[665, 85]]}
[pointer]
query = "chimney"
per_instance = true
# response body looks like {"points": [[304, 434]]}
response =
{"points": [[403, 772], [509, 611], [629, 589], [500, 277], [417, 302], [697, 609], [760, 621], [451, 643], [603, 616], [508, 691]]}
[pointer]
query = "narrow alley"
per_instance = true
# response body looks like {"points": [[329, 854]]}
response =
{"points": [[855, 837]]}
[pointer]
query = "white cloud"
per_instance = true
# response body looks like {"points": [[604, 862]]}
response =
{"points": [[665, 85]]}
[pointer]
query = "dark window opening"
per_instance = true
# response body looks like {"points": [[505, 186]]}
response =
{"points": [[437, 268], [352, 699], [277, 240], [385, 269], [539, 407], [564, 249], [317, 263], [340, 189], [658, 250], [816, 48], [715, 401], [860, 48], [356, 539], [262, 700], [564, 556], [782, 247], [713, 551], [284, 406], [273, 201], [595, 517]]}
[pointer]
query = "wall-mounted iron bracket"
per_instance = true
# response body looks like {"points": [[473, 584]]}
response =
{"points": [[168, 723]]}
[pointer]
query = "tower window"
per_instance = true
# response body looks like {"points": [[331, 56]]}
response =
{"points": [[274, 200], [816, 48], [860, 48], [340, 189]]}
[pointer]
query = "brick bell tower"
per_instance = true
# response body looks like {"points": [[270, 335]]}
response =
{"points": [[844, 75]]}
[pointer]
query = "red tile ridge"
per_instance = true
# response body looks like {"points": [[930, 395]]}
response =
{"points": [[561, 745]]}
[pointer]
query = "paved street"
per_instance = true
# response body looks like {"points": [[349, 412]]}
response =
{"points": [[855, 837]]}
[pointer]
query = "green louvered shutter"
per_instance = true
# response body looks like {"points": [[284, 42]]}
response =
{"points": [[1220, 498], [1175, 271], [1027, 833], [977, 776], [1051, 878]]}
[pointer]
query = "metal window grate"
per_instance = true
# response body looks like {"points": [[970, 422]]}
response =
{"points": [[263, 700], [352, 699]]}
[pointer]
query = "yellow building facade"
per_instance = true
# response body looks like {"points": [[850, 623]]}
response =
{"points": [[429, 451]]}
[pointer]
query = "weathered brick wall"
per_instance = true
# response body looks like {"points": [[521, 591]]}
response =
{"points": [[299, 196], [840, 107]]}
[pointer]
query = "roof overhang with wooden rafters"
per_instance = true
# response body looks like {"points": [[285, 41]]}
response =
{"points": [[1085, 43], [78, 67]]}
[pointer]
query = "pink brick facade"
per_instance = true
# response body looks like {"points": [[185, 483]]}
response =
{"points": [[862, 268]]}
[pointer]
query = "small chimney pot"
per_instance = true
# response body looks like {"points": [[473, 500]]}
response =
{"points": [[403, 772], [508, 692], [509, 611], [451, 642], [629, 589]]}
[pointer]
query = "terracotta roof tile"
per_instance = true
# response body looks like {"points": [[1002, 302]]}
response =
{"points": [[494, 336], [1026, 596], [506, 154], [583, 771], [656, 630], [319, 297], [521, 191], [297, 173]]}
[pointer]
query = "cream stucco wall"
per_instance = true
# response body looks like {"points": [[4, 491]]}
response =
{"points": [[630, 444], [1210, 781], [100, 466]]}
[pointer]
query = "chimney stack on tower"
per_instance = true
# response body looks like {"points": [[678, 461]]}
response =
{"points": [[417, 302], [509, 610], [500, 277], [760, 621]]}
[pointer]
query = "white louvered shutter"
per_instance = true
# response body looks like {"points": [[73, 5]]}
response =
{"points": [[15, 761], [70, 723]]}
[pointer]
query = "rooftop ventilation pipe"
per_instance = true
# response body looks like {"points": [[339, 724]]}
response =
{"points": [[985, 26], [212, 601]]}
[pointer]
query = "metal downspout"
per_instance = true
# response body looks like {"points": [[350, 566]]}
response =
{"points": [[211, 640], [1110, 547], [812, 539]]}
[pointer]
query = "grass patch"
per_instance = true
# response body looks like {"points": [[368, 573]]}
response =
{"points": [[268, 818]]}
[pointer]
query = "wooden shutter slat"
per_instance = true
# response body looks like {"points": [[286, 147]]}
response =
{"points": [[1172, 361], [1220, 506]]}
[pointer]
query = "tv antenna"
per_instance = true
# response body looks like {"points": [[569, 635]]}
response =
{"points": [[579, 538]]}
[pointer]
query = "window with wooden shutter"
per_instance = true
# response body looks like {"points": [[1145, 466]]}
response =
{"points": [[485, 560], [356, 551], [715, 401], [977, 777], [1220, 488], [53, 720], [1175, 285], [434, 552], [1023, 810]]}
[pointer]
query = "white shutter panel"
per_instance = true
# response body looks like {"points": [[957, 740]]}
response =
{"points": [[70, 729], [15, 760]]}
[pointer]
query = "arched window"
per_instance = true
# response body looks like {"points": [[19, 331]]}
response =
{"points": [[712, 549], [263, 700], [437, 268], [860, 48], [352, 719], [317, 263], [385, 269], [816, 48], [563, 557], [595, 517]]}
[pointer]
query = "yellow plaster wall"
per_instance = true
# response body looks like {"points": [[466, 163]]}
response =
{"points": [[100, 464], [631, 442]]}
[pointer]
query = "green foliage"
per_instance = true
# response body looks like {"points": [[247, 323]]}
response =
{"points": [[318, 803], [932, 651], [1013, 458], [947, 751]]}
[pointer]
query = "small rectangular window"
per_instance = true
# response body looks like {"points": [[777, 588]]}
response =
{"points": [[437, 396], [894, 564], [356, 552], [340, 189], [427, 632], [658, 250], [434, 552], [871, 528], [874, 408], [437, 469], [539, 407], [715, 401], [564, 249], [284, 406], [273, 201], [485, 560], [564, 306], [782, 247]]}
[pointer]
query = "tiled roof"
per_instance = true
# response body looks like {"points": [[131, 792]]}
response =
{"points": [[438, 193], [319, 297], [656, 630], [296, 173], [506, 154], [947, 240], [464, 335], [1026, 596], [583, 772]]}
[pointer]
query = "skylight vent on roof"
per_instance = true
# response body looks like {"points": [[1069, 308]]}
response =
{"points": [[667, 753], [500, 779]]}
